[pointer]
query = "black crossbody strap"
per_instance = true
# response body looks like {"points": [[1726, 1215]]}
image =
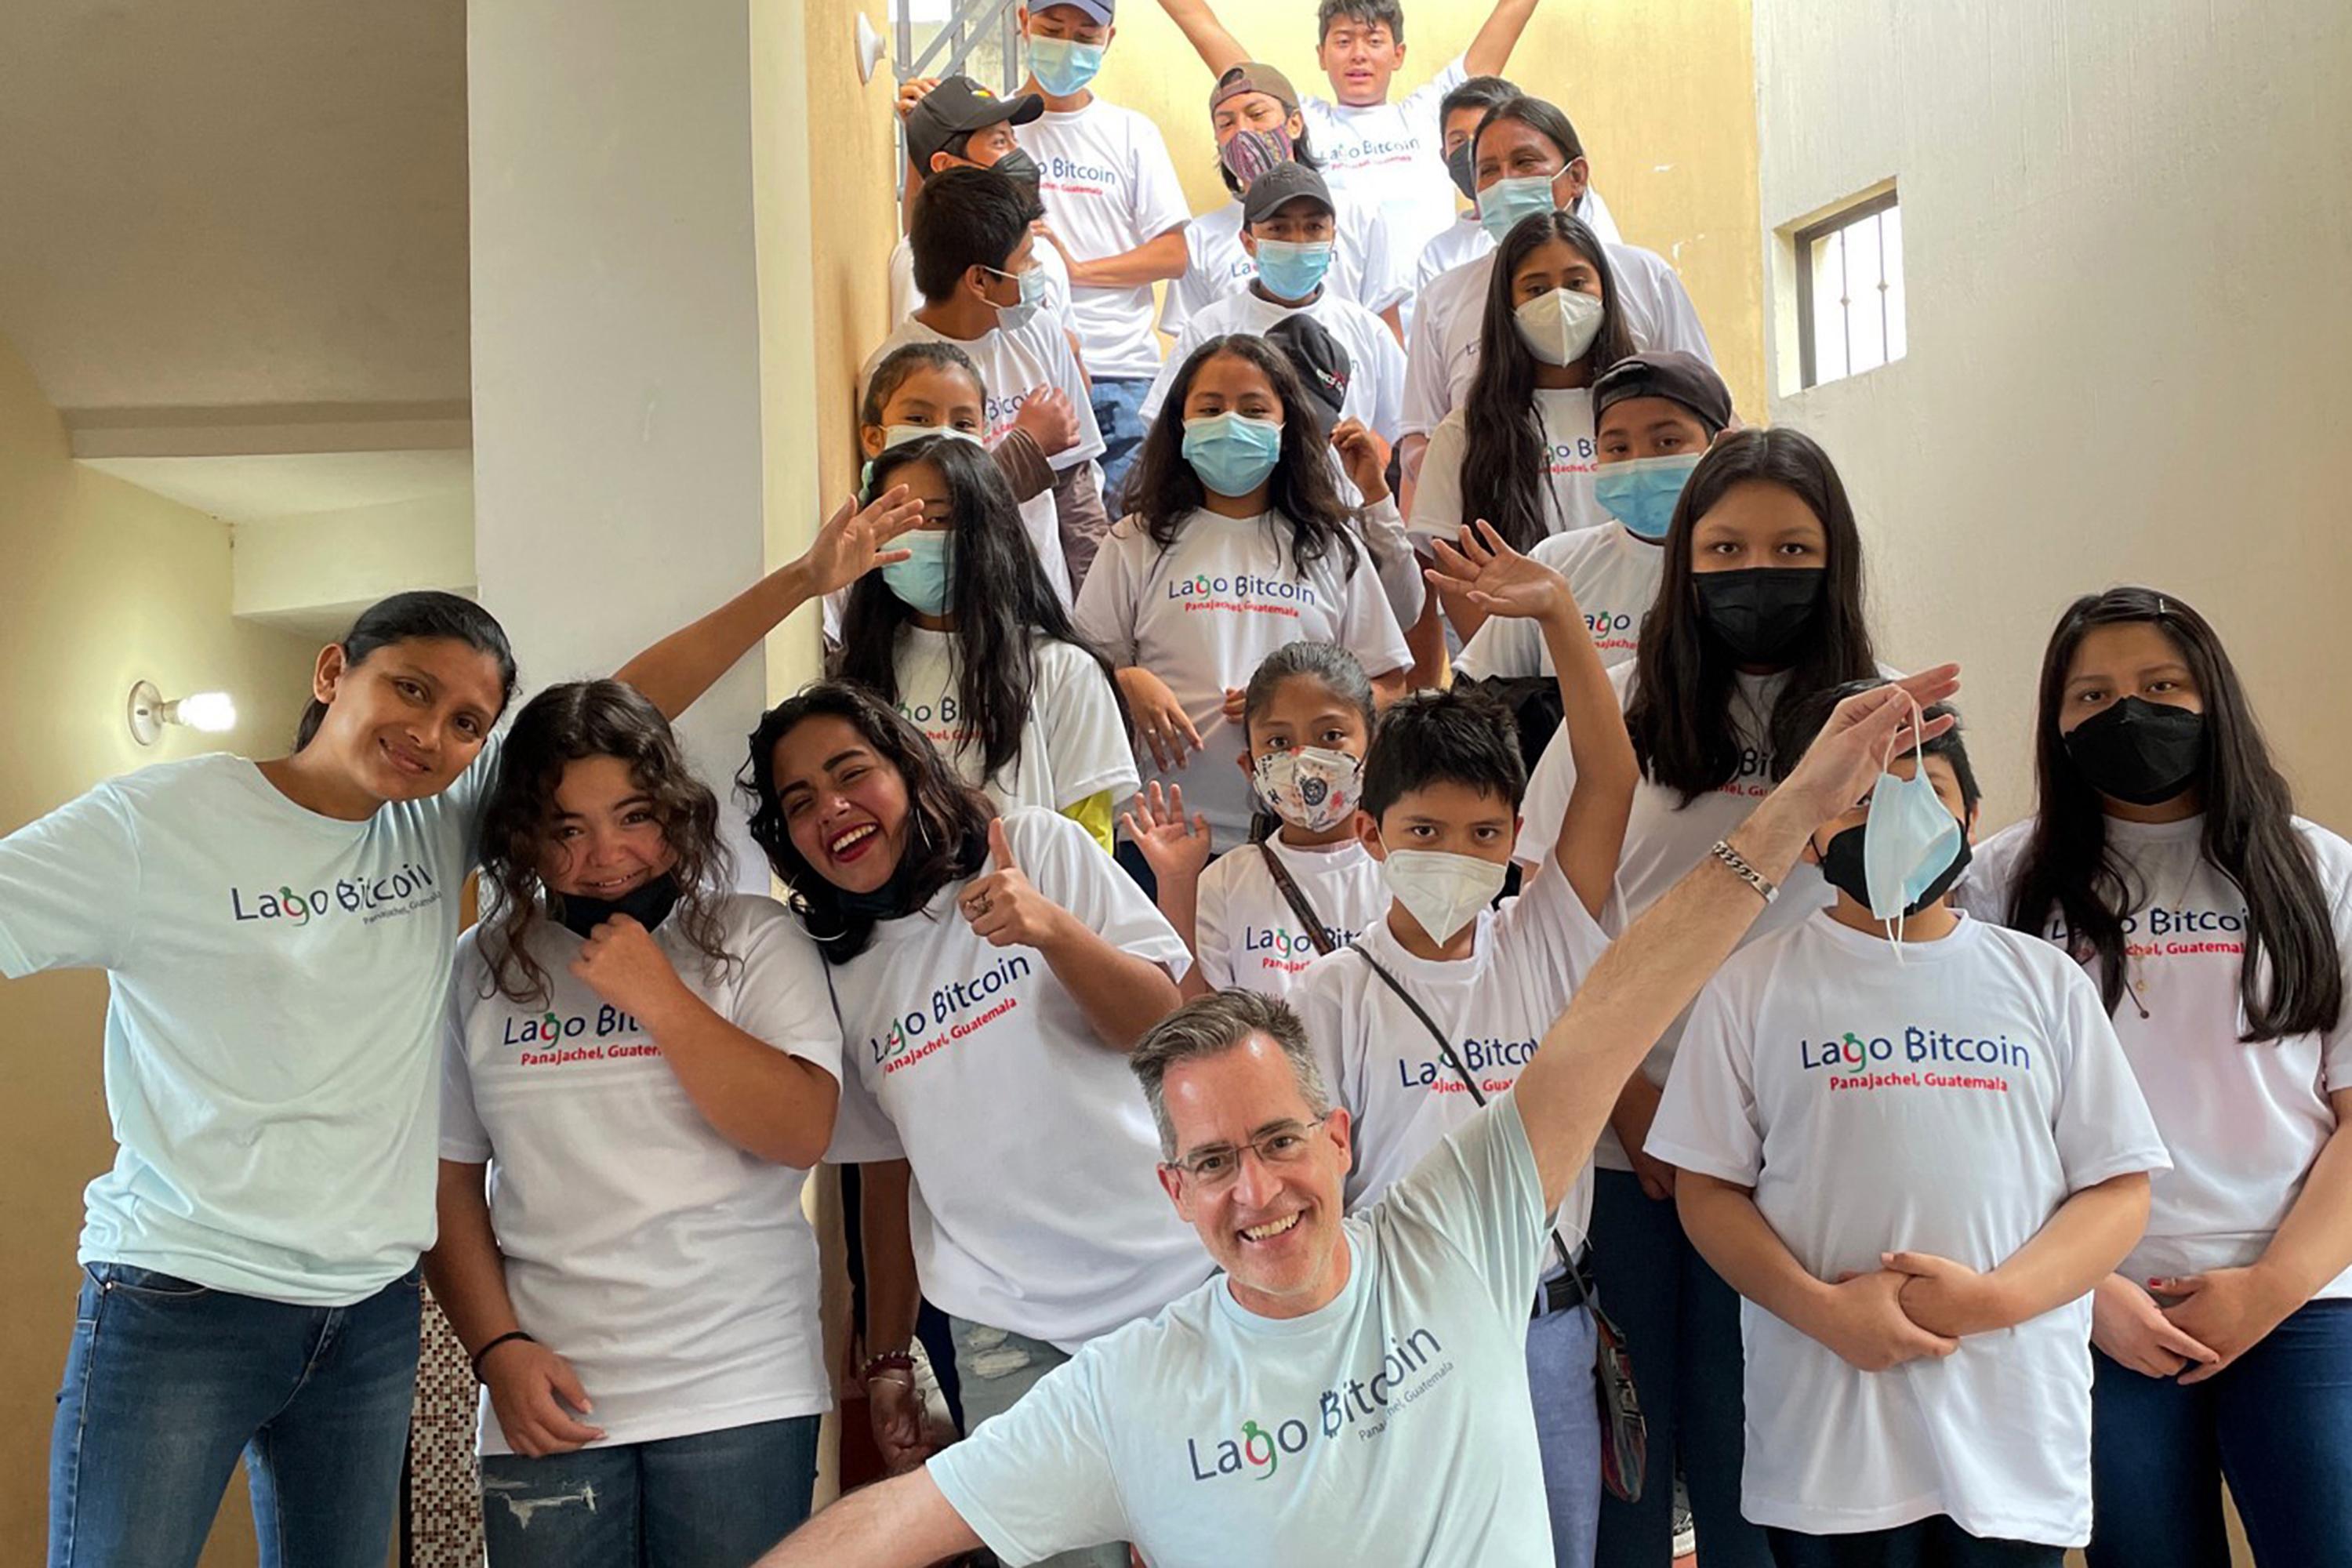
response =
{"points": [[1296, 896]]}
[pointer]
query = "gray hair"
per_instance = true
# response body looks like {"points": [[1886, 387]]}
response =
{"points": [[1210, 1026]]}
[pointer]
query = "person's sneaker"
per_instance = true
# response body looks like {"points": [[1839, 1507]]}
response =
{"points": [[1685, 1532]]}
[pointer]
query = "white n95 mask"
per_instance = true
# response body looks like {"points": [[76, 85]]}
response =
{"points": [[1444, 892]]}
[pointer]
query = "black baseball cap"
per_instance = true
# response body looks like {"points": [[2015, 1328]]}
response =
{"points": [[1282, 183], [956, 108], [1319, 360], [1670, 373]]}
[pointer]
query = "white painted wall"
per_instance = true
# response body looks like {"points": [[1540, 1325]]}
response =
{"points": [[2128, 249], [314, 573]]}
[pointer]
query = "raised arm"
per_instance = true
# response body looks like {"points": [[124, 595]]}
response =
{"points": [[1652, 972], [901, 1523], [676, 671], [1490, 50], [1219, 49]]}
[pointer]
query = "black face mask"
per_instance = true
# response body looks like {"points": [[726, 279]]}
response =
{"points": [[2138, 752], [1760, 613], [1842, 867], [1021, 170], [1461, 165], [649, 903]]}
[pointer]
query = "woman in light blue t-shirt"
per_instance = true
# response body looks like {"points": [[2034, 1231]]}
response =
{"points": [[276, 938]]}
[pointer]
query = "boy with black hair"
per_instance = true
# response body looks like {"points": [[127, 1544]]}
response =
{"points": [[1466, 239], [1910, 1140], [956, 124], [1390, 153], [974, 263], [1442, 785]]}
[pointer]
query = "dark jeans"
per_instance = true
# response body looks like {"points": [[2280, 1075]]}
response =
{"points": [[711, 1500], [1934, 1543], [1119, 411], [168, 1381], [2277, 1425], [1682, 1327]]}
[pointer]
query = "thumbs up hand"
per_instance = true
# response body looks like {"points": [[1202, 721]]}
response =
{"points": [[1004, 907]]}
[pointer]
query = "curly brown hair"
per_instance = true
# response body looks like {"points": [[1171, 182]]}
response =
{"points": [[565, 724]]}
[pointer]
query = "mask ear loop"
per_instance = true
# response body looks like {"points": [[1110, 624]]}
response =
{"points": [[1898, 926]]}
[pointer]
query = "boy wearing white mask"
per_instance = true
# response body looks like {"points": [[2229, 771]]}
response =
{"points": [[1113, 208], [1442, 784], [1910, 1140]]}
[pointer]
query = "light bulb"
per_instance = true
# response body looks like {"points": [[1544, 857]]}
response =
{"points": [[212, 711]]}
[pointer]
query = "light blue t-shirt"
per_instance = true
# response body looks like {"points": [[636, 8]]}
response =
{"points": [[1393, 1425], [273, 1030]]}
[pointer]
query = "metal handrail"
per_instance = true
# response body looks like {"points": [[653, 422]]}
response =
{"points": [[966, 26]]}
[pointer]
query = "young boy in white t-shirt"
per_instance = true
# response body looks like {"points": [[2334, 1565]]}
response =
{"points": [[1442, 784], [1912, 1143]]}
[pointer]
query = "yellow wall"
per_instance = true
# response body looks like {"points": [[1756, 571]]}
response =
{"points": [[104, 583], [1662, 92]]}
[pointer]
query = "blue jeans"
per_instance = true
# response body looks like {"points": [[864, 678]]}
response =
{"points": [[996, 1367], [711, 1500], [1934, 1543], [1681, 1329], [168, 1381], [1560, 1348], [2277, 1425], [1118, 411]]}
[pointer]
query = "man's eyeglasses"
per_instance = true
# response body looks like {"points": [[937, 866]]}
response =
{"points": [[1220, 1164]]}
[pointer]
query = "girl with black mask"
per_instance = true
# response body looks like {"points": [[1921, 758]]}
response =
{"points": [[1759, 609], [2164, 854]]}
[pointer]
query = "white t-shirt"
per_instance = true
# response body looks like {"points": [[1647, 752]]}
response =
{"points": [[1012, 363], [1946, 1102], [673, 1271], [1392, 155], [975, 1065], [906, 299], [1109, 188], [273, 1022], [1441, 349], [1665, 838], [1465, 239], [1378, 1060], [1570, 455], [1074, 745], [1375, 363], [1203, 614], [2243, 1122], [1245, 928], [1615, 576], [1219, 267], [1394, 1424]]}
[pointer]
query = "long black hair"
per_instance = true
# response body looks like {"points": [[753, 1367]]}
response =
{"points": [[423, 616], [1504, 453], [564, 724], [997, 592], [2290, 981], [1683, 678], [947, 820], [1166, 491]]}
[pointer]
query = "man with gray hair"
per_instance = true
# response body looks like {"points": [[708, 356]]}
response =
{"points": [[1354, 1389]]}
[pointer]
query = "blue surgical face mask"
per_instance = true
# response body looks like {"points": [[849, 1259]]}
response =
{"points": [[1232, 456], [1506, 204], [921, 581], [1291, 270], [1913, 848], [899, 436], [1642, 493], [1032, 284], [1062, 66]]}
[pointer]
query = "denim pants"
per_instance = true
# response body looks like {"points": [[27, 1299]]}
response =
{"points": [[996, 1367], [1681, 1323], [1560, 1348], [710, 1499], [2277, 1425], [1936, 1543], [167, 1382], [1119, 411]]}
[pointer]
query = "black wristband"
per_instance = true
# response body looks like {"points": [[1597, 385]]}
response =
{"points": [[514, 1335]]}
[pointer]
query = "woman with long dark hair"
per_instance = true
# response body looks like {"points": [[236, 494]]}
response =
{"points": [[1239, 545], [642, 1067], [970, 640], [2163, 853], [991, 974], [1760, 606]]}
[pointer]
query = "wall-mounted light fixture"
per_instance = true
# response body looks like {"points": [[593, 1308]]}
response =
{"points": [[211, 711], [869, 48]]}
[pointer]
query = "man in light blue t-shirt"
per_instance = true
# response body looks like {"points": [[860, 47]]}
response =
{"points": [[1353, 1389]]}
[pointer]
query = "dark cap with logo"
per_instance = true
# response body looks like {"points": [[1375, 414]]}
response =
{"points": [[1282, 183], [1319, 360], [1670, 373], [1251, 76], [955, 109]]}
